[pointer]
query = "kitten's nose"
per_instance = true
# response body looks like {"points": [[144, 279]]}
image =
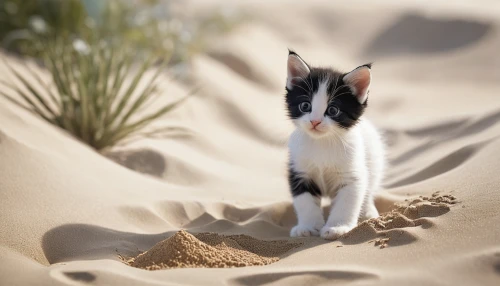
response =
{"points": [[315, 123]]}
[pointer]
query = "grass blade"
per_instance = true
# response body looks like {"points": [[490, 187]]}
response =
{"points": [[130, 90], [30, 87]]}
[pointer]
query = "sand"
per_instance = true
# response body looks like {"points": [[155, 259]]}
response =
{"points": [[210, 250], [67, 213]]}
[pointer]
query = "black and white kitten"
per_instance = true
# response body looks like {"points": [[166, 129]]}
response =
{"points": [[334, 151]]}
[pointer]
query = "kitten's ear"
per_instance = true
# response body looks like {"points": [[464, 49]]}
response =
{"points": [[359, 81], [297, 69]]}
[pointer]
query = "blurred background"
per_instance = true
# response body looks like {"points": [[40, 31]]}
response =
{"points": [[200, 82], [162, 27]]}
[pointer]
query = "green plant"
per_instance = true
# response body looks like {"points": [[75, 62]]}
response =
{"points": [[18, 17], [96, 94], [149, 25]]}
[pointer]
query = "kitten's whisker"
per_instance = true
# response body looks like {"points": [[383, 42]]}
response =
{"points": [[338, 88], [336, 83], [332, 99], [344, 143], [343, 146], [310, 79], [304, 95], [337, 95], [301, 88], [340, 140], [308, 86]]}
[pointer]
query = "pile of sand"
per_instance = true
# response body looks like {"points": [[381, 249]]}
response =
{"points": [[407, 214], [410, 213], [211, 250]]}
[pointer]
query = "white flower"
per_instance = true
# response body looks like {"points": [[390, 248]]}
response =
{"points": [[81, 47], [38, 24]]}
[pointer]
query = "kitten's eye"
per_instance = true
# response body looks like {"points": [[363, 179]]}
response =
{"points": [[333, 111], [305, 107]]}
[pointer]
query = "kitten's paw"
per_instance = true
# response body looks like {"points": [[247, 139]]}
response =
{"points": [[369, 212], [305, 230], [332, 233]]}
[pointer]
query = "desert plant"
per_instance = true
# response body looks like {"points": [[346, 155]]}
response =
{"points": [[143, 24], [91, 49], [18, 16], [95, 94]]}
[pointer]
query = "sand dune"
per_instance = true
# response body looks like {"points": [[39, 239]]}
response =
{"points": [[415, 34], [69, 213]]}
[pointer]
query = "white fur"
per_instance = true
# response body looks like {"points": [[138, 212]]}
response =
{"points": [[319, 103], [347, 165], [310, 219]]}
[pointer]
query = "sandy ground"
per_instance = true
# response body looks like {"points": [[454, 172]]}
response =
{"points": [[67, 213]]}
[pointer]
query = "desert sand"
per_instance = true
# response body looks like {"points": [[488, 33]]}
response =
{"points": [[68, 215]]}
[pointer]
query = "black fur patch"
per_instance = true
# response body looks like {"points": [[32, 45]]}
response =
{"points": [[339, 94], [300, 185]]}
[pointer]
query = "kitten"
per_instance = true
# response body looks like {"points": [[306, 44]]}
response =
{"points": [[334, 151]]}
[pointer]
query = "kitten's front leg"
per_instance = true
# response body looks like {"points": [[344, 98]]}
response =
{"points": [[309, 215], [345, 210]]}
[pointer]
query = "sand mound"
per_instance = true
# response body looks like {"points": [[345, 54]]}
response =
{"points": [[408, 214], [401, 37], [211, 250]]}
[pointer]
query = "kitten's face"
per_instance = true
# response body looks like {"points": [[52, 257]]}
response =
{"points": [[324, 102]]}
